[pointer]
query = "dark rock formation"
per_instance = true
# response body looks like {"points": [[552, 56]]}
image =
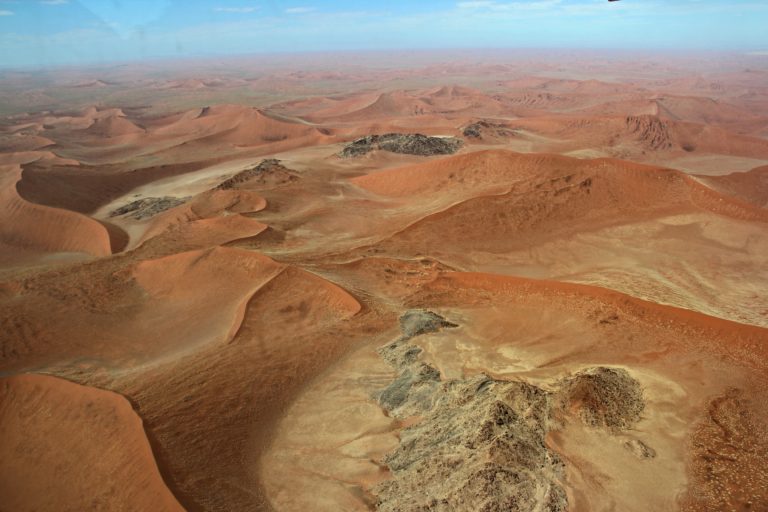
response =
{"points": [[405, 143], [480, 442], [640, 449], [480, 445], [482, 129], [269, 173], [651, 131], [419, 321], [148, 207], [604, 397], [480, 448]]}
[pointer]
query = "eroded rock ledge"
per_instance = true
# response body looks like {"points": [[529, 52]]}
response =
{"points": [[404, 143], [480, 442], [148, 207]]}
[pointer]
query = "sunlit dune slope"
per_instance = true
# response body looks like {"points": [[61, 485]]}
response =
{"points": [[130, 312], [46, 229], [70, 447]]}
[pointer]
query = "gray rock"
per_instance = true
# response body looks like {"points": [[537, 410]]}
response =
{"points": [[639, 449], [269, 173], [478, 448], [404, 143], [148, 207], [604, 397], [420, 321], [415, 385], [479, 129], [480, 443]]}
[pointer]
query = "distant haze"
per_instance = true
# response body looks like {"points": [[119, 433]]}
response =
{"points": [[42, 33]]}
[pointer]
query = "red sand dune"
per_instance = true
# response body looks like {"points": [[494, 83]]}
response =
{"points": [[222, 404], [742, 341], [27, 157], [651, 133], [537, 197], [115, 125], [46, 229], [17, 142], [202, 233], [70, 447], [403, 104], [469, 173], [85, 188], [750, 186], [212, 218], [234, 124], [131, 314]]}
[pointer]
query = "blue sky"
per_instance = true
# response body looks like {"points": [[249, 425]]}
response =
{"points": [[41, 33]]}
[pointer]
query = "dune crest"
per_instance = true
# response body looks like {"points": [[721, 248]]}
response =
{"points": [[46, 229]]}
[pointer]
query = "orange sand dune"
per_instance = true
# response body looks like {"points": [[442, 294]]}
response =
{"points": [[745, 342], [566, 196], [633, 106], [404, 104], [130, 313], [43, 157], [703, 110], [23, 142], [750, 186], [113, 126], [225, 130], [202, 233], [210, 219], [233, 124], [607, 222], [649, 133], [214, 407], [70, 447], [457, 99], [627, 186], [72, 122], [86, 188], [46, 229], [84, 119], [388, 104], [110, 137], [475, 172], [316, 109]]}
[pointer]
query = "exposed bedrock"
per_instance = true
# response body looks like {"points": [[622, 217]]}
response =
{"points": [[482, 129], [604, 397], [269, 173], [148, 207], [479, 443], [404, 143]]}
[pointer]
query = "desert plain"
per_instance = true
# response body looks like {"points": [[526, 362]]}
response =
{"points": [[398, 281]]}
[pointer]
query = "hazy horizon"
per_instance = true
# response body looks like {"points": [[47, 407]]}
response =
{"points": [[46, 33]]}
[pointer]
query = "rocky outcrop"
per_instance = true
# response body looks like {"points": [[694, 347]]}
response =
{"points": [[604, 397], [479, 443], [484, 129], [268, 174], [404, 143], [148, 207], [414, 390], [651, 131]]}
